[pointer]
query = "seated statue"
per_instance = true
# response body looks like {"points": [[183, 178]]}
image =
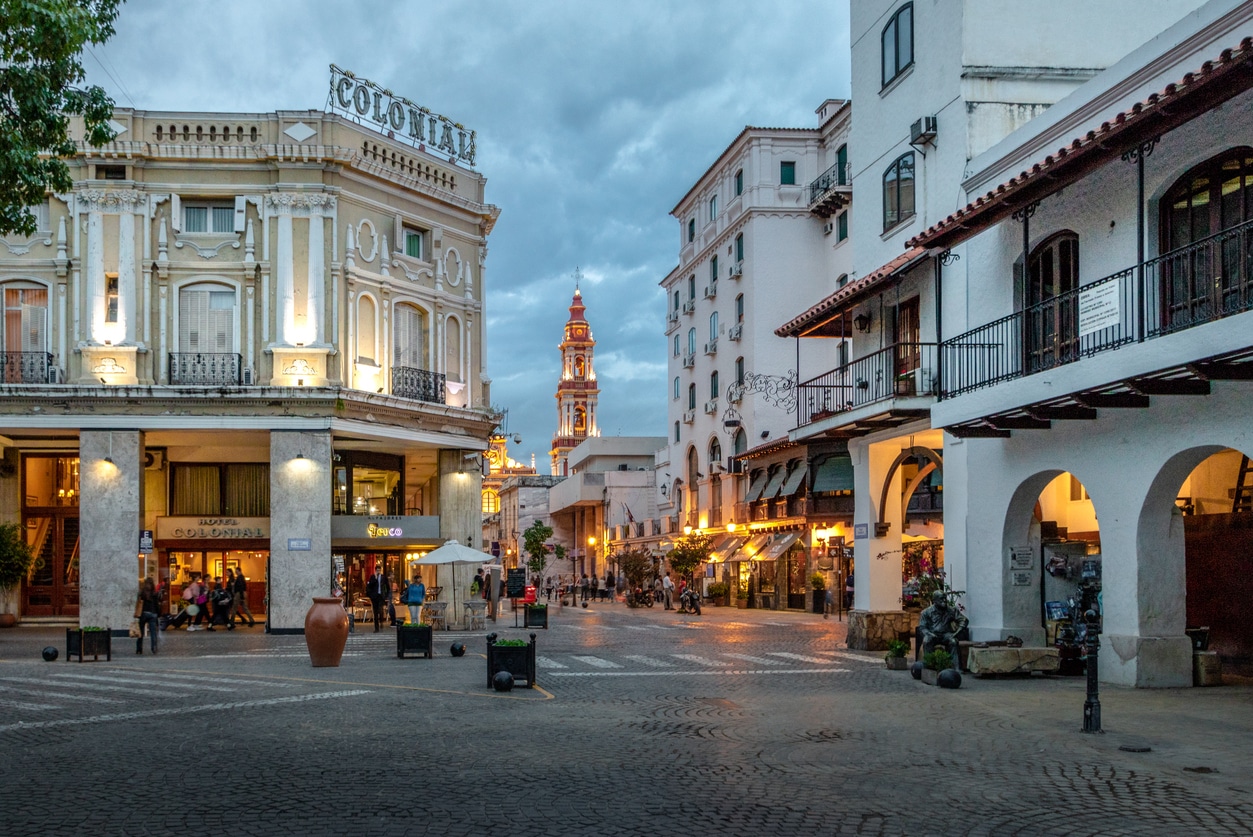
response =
{"points": [[940, 624]]}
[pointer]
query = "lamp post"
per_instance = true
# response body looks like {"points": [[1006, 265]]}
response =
{"points": [[591, 552]]}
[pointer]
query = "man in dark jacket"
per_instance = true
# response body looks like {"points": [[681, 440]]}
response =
{"points": [[379, 592], [241, 598]]}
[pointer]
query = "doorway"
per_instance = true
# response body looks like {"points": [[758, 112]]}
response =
{"points": [[50, 524]]}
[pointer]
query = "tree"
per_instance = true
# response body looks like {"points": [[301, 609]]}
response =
{"points": [[40, 72], [535, 543], [635, 565], [688, 552]]}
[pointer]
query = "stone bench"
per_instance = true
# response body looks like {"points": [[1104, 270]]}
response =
{"points": [[1004, 660]]}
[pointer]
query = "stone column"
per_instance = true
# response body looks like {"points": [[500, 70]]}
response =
{"points": [[110, 511], [461, 496], [126, 296], [286, 284], [95, 276], [316, 304], [300, 512]]}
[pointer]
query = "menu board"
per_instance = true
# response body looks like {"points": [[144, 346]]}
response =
{"points": [[515, 584]]}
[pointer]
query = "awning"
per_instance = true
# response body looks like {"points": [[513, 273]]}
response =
{"points": [[749, 550], [723, 549], [778, 545], [758, 483], [794, 479], [776, 482], [835, 473]]}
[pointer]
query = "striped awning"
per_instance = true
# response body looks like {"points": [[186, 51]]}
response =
{"points": [[778, 545], [794, 478], [756, 486]]}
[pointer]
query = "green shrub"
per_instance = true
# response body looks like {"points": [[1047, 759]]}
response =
{"points": [[720, 588], [897, 648], [937, 660], [510, 643]]}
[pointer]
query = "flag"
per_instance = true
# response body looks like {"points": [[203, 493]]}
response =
{"points": [[630, 517]]}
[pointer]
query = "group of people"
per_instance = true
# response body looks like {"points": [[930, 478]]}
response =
{"points": [[592, 588], [214, 602]]}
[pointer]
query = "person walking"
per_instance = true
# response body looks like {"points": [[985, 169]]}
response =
{"points": [[595, 587], [148, 606], [240, 592], [415, 597], [584, 586], [228, 585], [200, 598], [377, 590], [667, 590]]}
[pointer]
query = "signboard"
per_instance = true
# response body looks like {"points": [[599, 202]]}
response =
{"points": [[397, 117], [299, 545], [384, 527], [212, 528], [861, 531], [515, 584], [1099, 308], [1021, 558], [1021, 579], [145, 541]]}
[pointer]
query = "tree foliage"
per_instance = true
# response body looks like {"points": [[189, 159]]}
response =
{"points": [[16, 556], [635, 565], [535, 543], [41, 72], [688, 552]]}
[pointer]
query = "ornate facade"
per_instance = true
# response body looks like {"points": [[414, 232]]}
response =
{"points": [[577, 391]]}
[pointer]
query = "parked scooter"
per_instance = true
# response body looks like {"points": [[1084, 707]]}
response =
{"points": [[689, 602], [641, 598]]}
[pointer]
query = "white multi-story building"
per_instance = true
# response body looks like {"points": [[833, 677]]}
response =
{"points": [[256, 339], [934, 85]]}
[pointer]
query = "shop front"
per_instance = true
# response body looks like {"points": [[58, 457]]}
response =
{"points": [[360, 544], [206, 547]]}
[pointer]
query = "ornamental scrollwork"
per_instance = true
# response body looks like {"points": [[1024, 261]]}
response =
{"points": [[779, 390]]}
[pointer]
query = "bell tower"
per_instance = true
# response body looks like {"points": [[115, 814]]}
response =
{"points": [[577, 391]]}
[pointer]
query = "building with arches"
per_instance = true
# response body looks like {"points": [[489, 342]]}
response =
{"points": [[256, 337], [577, 390]]}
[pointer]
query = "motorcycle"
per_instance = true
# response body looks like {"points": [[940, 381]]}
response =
{"points": [[641, 598], [689, 602]]}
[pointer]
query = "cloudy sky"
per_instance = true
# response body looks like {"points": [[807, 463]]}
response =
{"points": [[593, 119]]}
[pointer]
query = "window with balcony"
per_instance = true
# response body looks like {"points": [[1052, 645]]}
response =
{"points": [[24, 334], [908, 334], [787, 173], [206, 319], [898, 191], [1052, 309], [898, 43]]}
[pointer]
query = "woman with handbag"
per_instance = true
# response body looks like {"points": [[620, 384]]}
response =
{"points": [[148, 611]]}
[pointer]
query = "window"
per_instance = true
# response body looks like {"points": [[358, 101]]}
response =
{"points": [[676, 300], [741, 441], [841, 166], [691, 230], [713, 326], [1077, 490], [676, 388], [676, 345], [739, 182], [898, 43], [414, 242], [110, 172], [842, 281], [409, 328], [739, 371], [713, 207], [208, 218], [739, 247], [787, 173], [841, 226], [110, 297], [691, 396], [491, 501], [908, 335], [898, 191], [739, 308], [713, 384], [715, 452], [691, 286], [713, 270], [1052, 310], [691, 341], [676, 431], [24, 328], [206, 319], [241, 489]]}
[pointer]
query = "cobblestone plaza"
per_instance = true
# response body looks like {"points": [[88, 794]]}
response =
{"points": [[645, 722]]}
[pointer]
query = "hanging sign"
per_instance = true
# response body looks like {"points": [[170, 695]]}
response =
{"points": [[397, 117]]}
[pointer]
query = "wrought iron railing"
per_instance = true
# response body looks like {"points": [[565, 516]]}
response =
{"points": [[837, 175], [900, 370], [418, 384], [205, 369], [26, 367], [1196, 284]]}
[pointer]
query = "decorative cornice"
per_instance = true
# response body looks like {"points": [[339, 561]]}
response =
{"points": [[289, 203], [23, 249], [98, 200]]}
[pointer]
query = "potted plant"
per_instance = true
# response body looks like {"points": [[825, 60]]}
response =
{"points": [[16, 557], [535, 615], [516, 656], [718, 592], [89, 640], [415, 638], [741, 594], [896, 657], [818, 581], [933, 662]]}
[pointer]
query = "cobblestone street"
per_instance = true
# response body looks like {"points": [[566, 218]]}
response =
{"points": [[645, 722]]}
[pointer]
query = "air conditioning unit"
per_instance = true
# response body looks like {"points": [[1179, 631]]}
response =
{"points": [[711, 291], [689, 306], [711, 407], [734, 465], [828, 228], [248, 377], [154, 459], [55, 375], [672, 318], [735, 332], [689, 417], [711, 347], [735, 395], [689, 361], [922, 131], [716, 468], [736, 270]]}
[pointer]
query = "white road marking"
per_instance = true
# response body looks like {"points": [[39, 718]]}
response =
{"points": [[649, 661], [801, 657], [191, 687], [59, 695], [846, 655], [161, 677], [596, 661], [704, 661], [181, 710], [761, 661], [721, 672], [30, 707], [94, 686], [548, 662]]}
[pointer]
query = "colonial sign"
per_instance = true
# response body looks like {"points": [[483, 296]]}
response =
{"points": [[399, 118], [212, 528]]}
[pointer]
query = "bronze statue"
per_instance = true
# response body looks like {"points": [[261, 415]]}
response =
{"points": [[940, 624]]}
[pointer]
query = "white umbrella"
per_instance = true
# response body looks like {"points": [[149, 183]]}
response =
{"points": [[454, 553]]}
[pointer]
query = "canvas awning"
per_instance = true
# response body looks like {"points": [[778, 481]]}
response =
{"points": [[835, 473], [749, 550], [776, 483], [724, 549], [756, 486], [794, 478], [778, 545]]}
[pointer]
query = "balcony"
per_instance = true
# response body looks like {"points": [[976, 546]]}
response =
{"points": [[205, 369], [1185, 288], [418, 384], [831, 191], [26, 367], [903, 370]]}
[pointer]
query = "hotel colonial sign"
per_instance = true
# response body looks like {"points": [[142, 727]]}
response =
{"points": [[397, 117], [212, 528]]}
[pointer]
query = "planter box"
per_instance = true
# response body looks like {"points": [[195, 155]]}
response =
{"points": [[82, 643], [820, 601], [535, 617], [414, 639], [897, 663], [929, 676], [518, 660], [719, 601]]}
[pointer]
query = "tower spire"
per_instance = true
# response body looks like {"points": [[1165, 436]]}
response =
{"points": [[577, 390]]}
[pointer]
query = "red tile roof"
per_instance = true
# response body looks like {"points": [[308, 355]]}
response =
{"points": [[838, 302]]}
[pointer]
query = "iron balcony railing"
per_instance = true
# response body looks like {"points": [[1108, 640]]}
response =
{"points": [[1193, 285], [835, 176], [900, 370], [418, 384], [26, 367], [205, 369]]}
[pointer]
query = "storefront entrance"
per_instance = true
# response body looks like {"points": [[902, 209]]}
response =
{"points": [[180, 566], [50, 522]]}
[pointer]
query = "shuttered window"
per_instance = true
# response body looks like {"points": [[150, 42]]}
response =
{"points": [[410, 333], [25, 319], [206, 320]]}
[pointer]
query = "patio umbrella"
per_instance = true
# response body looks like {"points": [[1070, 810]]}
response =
{"points": [[453, 553]]}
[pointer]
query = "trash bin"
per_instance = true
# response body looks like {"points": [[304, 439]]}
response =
{"points": [[1207, 668], [1199, 637]]}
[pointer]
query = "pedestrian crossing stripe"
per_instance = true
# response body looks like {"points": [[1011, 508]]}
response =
{"points": [[191, 687], [596, 661], [801, 657], [99, 687], [749, 658], [649, 661], [548, 662], [199, 678], [704, 661], [722, 672], [44, 693], [29, 707]]}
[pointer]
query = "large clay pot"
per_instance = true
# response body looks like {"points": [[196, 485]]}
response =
{"points": [[326, 632]]}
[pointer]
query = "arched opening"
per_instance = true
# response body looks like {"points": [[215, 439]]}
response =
{"points": [[1051, 307], [24, 333]]}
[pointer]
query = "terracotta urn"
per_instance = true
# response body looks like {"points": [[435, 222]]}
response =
{"points": [[326, 632]]}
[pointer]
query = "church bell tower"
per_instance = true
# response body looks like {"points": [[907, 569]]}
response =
{"points": [[577, 391]]}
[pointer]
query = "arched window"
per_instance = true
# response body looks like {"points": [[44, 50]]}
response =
{"points": [[713, 326], [580, 421], [898, 43], [206, 319], [739, 308], [691, 341], [1207, 281], [898, 191], [676, 431], [713, 384], [24, 333], [676, 345], [691, 286], [693, 467], [739, 371], [676, 387], [691, 396], [409, 338], [1052, 310], [741, 442], [580, 366], [452, 359], [715, 452], [491, 501]]}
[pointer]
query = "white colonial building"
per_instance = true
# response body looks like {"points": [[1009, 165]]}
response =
{"points": [[257, 337]]}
